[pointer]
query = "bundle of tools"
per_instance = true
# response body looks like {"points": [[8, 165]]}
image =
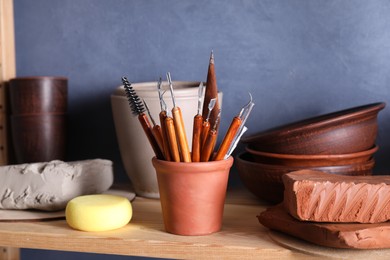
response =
{"points": [[169, 141]]}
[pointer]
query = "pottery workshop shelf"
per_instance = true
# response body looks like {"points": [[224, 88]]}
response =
{"points": [[241, 236]]}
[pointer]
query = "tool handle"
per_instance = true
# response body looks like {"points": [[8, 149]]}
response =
{"points": [[196, 132], [229, 137], [171, 134], [181, 134], [205, 131], [148, 131], [208, 146], [157, 134], [166, 150]]}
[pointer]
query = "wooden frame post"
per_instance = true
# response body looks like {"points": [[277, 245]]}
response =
{"points": [[7, 71]]}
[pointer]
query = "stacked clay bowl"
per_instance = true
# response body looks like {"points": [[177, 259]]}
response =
{"points": [[342, 142]]}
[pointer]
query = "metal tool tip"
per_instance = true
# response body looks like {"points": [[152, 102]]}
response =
{"points": [[212, 57]]}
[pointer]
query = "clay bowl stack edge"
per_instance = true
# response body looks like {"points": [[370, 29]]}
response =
{"points": [[312, 160], [347, 131], [265, 180], [341, 142]]}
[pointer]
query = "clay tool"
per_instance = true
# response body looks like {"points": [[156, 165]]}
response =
{"points": [[244, 116], [208, 147], [228, 139], [156, 129], [197, 128], [235, 131], [179, 125], [163, 116], [172, 139], [206, 123], [211, 91], [139, 110], [171, 134]]}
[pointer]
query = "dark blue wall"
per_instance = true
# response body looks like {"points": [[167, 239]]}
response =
{"points": [[298, 58]]}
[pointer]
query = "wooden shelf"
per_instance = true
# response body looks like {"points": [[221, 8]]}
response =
{"points": [[241, 236]]}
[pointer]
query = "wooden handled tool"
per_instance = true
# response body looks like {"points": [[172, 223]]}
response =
{"points": [[208, 146], [143, 119], [196, 138], [206, 123], [172, 142], [166, 150], [179, 126], [181, 134], [197, 128], [163, 115], [138, 109], [157, 134], [236, 130], [211, 91], [228, 139], [156, 130]]}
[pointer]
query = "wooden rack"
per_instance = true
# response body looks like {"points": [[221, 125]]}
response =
{"points": [[241, 237], [7, 71]]}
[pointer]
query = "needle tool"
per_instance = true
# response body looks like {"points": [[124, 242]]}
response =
{"points": [[235, 131], [206, 123], [156, 129], [139, 110], [197, 128], [163, 116], [211, 139], [179, 125]]}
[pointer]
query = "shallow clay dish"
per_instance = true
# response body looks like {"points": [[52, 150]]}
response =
{"points": [[302, 160], [265, 180], [347, 131]]}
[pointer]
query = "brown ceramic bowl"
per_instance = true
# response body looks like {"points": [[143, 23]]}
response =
{"points": [[36, 95], [303, 160], [347, 131], [265, 180]]}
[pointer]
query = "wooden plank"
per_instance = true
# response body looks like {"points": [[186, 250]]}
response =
{"points": [[242, 236], [7, 71], [9, 253]]}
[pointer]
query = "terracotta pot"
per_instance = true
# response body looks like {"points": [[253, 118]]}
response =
{"points": [[347, 131], [265, 180], [192, 195], [35, 95], [39, 138], [315, 160]]}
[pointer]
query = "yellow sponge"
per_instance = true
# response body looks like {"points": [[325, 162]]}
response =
{"points": [[100, 212]]}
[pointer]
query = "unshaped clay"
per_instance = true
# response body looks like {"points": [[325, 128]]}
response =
{"points": [[50, 185]]}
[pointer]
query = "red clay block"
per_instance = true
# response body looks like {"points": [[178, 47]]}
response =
{"points": [[321, 197]]}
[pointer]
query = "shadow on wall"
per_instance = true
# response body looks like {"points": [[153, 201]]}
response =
{"points": [[382, 162], [89, 138]]}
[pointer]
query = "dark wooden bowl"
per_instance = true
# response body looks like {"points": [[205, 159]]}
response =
{"points": [[303, 160], [265, 180], [39, 138], [35, 95], [347, 131]]}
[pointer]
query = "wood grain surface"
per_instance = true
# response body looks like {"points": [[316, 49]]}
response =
{"points": [[241, 235], [7, 71]]}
